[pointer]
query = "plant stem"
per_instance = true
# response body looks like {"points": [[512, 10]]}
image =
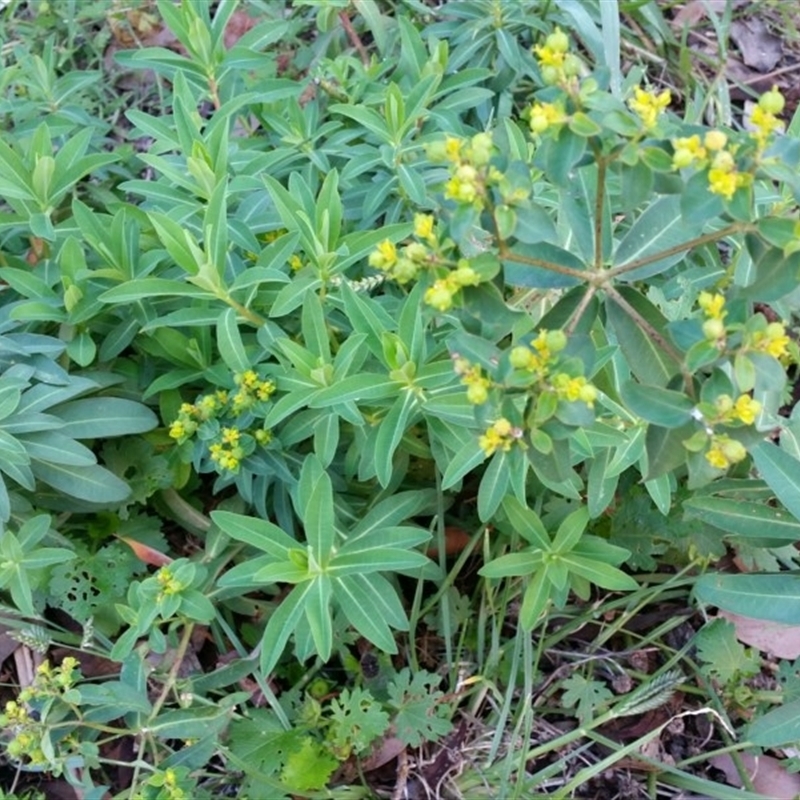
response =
{"points": [[580, 274], [653, 334], [576, 315], [598, 213], [706, 238], [180, 654]]}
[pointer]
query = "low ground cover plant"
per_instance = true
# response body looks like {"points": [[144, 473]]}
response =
{"points": [[367, 358]]}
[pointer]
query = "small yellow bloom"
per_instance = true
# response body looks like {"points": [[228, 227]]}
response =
{"points": [[440, 295], [688, 151], [499, 436], [452, 148], [545, 115], [648, 106], [712, 304], [385, 256], [295, 262], [231, 436], [746, 409], [423, 226], [723, 183]]}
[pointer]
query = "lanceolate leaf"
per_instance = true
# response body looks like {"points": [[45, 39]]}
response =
{"points": [[781, 472], [753, 520], [760, 596]]}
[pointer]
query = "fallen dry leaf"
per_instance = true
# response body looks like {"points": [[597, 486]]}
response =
{"points": [[781, 641], [768, 775], [760, 49], [145, 553]]}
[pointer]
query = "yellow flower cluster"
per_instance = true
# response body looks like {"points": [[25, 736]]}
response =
{"points": [[546, 115], [168, 582], [723, 177], [251, 389], [440, 295], [573, 389], [470, 172], [724, 451], [27, 730], [405, 265], [773, 340], [295, 263], [764, 118], [649, 106], [744, 409], [556, 63], [472, 377], [499, 436], [540, 355], [713, 306], [228, 459], [233, 443]]}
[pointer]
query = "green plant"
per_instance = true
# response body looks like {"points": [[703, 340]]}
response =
{"points": [[484, 282]]}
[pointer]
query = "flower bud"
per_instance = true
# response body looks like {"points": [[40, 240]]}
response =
{"points": [[772, 101], [558, 41], [713, 329], [519, 357]]}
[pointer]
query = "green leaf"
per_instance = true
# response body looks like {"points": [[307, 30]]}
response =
{"points": [[315, 507], [535, 600], [493, 486], [781, 472], [725, 658], [318, 614], [763, 596], [371, 605], [662, 407], [391, 431], [648, 361], [526, 562], [229, 341], [281, 625], [96, 417], [753, 520], [661, 227], [585, 696], [256, 532], [603, 575], [143, 288], [526, 522], [776, 728], [92, 483], [531, 269], [358, 388]]}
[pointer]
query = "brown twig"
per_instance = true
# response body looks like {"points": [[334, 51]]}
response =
{"points": [[355, 39]]}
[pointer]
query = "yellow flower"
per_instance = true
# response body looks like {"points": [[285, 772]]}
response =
{"points": [[452, 148], [440, 295], [746, 409], [712, 305], [265, 390], [295, 262], [716, 458], [423, 226], [725, 451], [715, 140], [385, 256], [688, 151], [231, 436], [545, 115], [648, 106], [549, 56], [477, 385], [723, 183], [572, 389], [499, 436], [773, 340]]}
